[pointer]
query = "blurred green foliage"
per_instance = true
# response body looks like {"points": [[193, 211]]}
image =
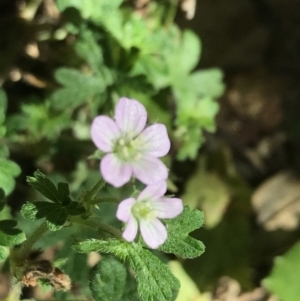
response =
{"points": [[98, 52], [283, 278]]}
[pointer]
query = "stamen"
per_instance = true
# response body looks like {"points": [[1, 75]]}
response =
{"points": [[143, 210], [126, 151]]}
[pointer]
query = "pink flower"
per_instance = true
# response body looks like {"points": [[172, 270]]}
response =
{"points": [[144, 213], [132, 149]]}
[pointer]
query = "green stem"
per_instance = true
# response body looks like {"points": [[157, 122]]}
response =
{"points": [[97, 225], [172, 12], [23, 252], [104, 200], [15, 293], [93, 192]]}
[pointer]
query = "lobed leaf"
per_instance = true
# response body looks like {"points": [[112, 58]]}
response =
{"points": [[155, 281], [9, 235], [78, 88], [56, 214], [179, 242], [42, 184], [108, 280]]}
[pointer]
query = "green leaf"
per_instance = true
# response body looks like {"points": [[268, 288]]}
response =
{"points": [[97, 11], [283, 280], [89, 49], [8, 171], [130, 293], [179, 242], [38, 120], [4, 152], [56, 218], [56, 214], [64, 193], [43, 185], [29, 211], [208, 191], [155, 281], [108, 279], [208, 82], [4, 252], [78, 88], [87, 7], [75, 208], [155, 68], [110, 246], [9, 235], [191, 139], [187, 55], [2, 196]]}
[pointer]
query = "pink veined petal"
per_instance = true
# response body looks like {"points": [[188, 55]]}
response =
{"points": [[124, 209], [131, 229], [114, 171], [153, 192], [131, 116], [167, 207], [104, 132], [154, 233], [155, 140], [149, 170]]}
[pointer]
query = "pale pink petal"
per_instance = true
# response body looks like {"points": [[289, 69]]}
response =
{"points": [[131, 116], [114, 171], [155, 140], [167, 207], [153, 192], [104, 132], [149, 170], [131, 229], [124, 209], [154, 233]]}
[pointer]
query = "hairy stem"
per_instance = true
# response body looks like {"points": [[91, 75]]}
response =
{"points": [[26, 247], [97, 225]]}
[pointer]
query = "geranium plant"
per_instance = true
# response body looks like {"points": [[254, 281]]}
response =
{"points": [[151, 219]]}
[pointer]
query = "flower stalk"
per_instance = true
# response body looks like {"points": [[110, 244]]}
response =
{"points": [[23, 252]]}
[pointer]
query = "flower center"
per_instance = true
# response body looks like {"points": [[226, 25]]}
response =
{"points": [[128, 149], [143, 210]]}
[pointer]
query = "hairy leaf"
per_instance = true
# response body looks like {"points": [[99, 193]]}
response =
{"points": [[108, 279], [179, 242], [155, 281], [56, 214]]}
